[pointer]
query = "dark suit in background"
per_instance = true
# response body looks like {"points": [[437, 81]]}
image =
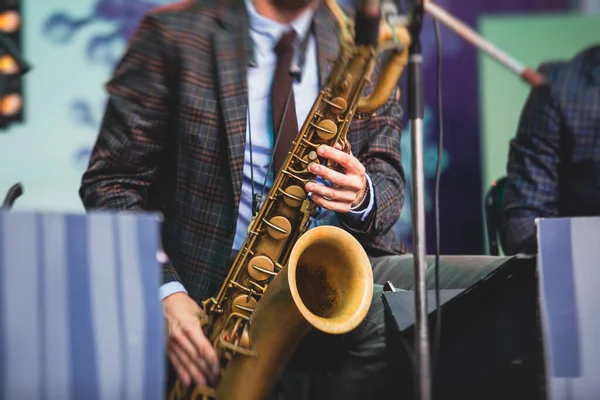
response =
{"points": [[554, 161]]}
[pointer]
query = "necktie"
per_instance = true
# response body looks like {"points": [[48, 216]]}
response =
{"points": [[282, 85]]}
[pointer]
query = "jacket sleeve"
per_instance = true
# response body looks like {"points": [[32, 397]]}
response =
{"points": [[532, 186], [380, 155], [133, 132]]}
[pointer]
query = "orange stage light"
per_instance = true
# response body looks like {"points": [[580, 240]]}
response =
{"points": [[11, 104], [10, 21]]}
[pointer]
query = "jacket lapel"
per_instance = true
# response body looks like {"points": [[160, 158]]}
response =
{"points": [[328, 37], [232, 54], [231, 51]]}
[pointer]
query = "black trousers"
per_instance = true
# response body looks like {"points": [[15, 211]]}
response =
{"points": [[358, 365]]}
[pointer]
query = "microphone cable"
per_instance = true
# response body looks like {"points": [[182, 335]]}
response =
{"points": [[436, 195]]}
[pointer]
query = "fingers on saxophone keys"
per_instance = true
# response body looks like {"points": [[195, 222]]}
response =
{"points": [[206, 352], [330, 194], [330, 204], [193, 361], [328, 174], [193, 367], [344, 159], [186, 370], [179, 368], [207, 356]]}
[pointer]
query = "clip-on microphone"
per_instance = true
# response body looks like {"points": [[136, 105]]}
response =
{"points": [[299, 59], [298, 63]]}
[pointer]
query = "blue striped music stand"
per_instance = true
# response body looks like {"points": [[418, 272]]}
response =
{"points": [[569, 282], [80, 315]]}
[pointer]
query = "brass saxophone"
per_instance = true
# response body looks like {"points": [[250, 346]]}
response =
{"points": [[287, 278]]}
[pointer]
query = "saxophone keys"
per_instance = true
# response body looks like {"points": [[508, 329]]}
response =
{"points": [[261, 268], [278, 227], [338, 105], [294, 195], [245, 338], [326, 129], [245, 303]]}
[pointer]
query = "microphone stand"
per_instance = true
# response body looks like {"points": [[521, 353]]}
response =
{"points": [[527, 74], [416, 110]]}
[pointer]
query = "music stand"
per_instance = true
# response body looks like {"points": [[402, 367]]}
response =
{"points": [[80, 311]]}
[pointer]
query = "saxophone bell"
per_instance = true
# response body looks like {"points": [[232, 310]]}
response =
{"points": [[330, 279], [327, 284]]}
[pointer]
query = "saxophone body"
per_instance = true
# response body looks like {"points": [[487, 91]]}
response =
{"points": [[287, 279]]}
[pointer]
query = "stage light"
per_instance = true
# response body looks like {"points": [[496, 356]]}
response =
{"points": [[8, 65], [12, 64], [10, 105], [10, 21]]}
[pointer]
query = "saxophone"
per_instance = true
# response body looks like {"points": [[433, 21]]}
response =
{"points": [[287, 278]]}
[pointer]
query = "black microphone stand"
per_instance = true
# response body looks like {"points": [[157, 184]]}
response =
{"points": [[416, 110]]}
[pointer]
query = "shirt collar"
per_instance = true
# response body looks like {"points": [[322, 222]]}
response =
{"points": [[274, 30]]}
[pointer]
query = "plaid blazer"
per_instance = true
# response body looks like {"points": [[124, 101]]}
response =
{"points": [[173, 137], [554, 161]]}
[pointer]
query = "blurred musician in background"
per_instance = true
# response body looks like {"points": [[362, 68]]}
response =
{"points": [[175, 136], [554, 160]]}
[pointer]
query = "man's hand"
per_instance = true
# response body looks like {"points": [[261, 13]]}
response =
{"points": [[349, 185], [190, 352]]}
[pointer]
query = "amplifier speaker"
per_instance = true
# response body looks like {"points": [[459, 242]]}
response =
{"points": [[491, 339]]}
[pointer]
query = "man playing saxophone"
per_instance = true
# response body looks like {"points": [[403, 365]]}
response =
{"points": [[190, 130]]}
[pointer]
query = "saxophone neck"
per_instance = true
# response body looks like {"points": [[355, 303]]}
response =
{"points": [[381, 33], [363, 30]]}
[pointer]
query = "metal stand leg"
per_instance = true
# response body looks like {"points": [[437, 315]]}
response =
{"points": [[416, 109]]}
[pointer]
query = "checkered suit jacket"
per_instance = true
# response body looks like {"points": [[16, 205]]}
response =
{"points": [[173, 137], [554, 161]]}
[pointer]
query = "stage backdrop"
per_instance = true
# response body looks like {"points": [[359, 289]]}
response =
{"points": [[591, 6], [502, 95], [73, 47]]}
